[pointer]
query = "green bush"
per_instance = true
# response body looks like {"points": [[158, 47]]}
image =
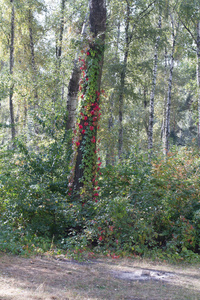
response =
{"points": [[33, 190], [144, 207]]}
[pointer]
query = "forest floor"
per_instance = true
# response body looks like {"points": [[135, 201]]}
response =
{"points": [[57, 278]]}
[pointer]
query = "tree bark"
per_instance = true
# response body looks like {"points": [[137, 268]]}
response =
{"points": [[168, 108], [122, 82], [198, 79], [165, 98], [110, 156], [110, 149], [72, 96], [58, 93], [12, 37], [73, 87], [152, 95], [33, 64], [60, 39]]}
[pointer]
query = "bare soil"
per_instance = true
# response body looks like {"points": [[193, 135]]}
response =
{"points": [[46, 278]]}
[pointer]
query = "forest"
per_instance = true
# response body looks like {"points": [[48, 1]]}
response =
{"points": [[100, 127]]}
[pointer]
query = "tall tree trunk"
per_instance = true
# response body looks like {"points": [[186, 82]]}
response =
{"points": [[60, 39], [72, 96], [165, 98], [33, 64], [85, 167], [59, 83], [73, 87], [152, 95], [198, 79], [12, 37], [122, 82], [110, 149], [168, 108]]}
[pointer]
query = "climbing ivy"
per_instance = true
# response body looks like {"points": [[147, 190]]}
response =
{"points": [[85, 133]]}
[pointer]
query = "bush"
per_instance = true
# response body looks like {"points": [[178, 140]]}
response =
{"points": [[144, 207], [33, 190]]}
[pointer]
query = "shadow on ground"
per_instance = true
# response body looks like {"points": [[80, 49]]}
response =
{"points": [[60, 279]]}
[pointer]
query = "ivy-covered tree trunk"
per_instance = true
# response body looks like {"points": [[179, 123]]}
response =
{"points": [[84, 165], [12, 120]]}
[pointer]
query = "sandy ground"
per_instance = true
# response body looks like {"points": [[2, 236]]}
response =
{"points": [[61, 279]]}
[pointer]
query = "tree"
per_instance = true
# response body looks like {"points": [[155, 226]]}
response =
{"points": [[84, 171], [12, 38], [151, 106], [128, 38], [175, 27], [188, 12], [73, 86]]}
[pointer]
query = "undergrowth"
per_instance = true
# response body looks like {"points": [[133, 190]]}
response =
{"points": [[144, 210]]}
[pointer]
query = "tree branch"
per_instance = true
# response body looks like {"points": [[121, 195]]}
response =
{"points": [[140, 15], [187, 28]]}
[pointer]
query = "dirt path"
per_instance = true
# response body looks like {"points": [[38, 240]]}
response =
{"points": [[60, 279]]}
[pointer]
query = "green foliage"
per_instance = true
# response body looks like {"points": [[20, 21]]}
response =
{"points": [[18, 241], [147, 207], [143, 208], [33, 189]]}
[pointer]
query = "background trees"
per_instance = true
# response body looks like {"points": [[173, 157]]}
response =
{"points": [[45, 45]]}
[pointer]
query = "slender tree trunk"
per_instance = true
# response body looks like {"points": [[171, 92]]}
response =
{"points": [[12, 120], [146, 115], [25, 113], [165, 98], [60, 39], [152, 95], [110, 148], [33, 64], [198, 79], [59, 84], [168, 108], [122, 83], [85, 167]]}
